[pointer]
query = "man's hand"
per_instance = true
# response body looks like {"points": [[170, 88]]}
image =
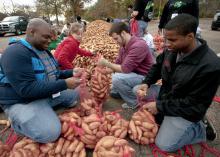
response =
{"points": [[102, 61], [160, 31], [72, 82], [142, 90], [94, 52], [151, 107], [109, 71], [77, 72]]}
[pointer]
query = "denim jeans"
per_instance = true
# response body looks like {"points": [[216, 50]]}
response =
{"points": [[142, 25], [176, 132], [37, 119], [123, 84]]}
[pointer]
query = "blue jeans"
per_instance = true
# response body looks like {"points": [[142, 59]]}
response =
{"points": [[124, 83], [176, 132], [142, 25], [37, 119]]}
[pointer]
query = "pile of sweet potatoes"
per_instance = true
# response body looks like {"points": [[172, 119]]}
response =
{"points": [[110, 146], [159, 43], [142, 127], [100, 83], [96, 38]]}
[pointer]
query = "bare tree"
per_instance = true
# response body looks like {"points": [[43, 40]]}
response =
{"points": [[4, 7], [74, 8], [13, 6]]}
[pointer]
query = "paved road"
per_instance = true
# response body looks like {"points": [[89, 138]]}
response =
{"points": [[212, 37], [4, 40]]}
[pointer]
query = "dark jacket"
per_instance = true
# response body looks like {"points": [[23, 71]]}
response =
{"points": [[139, 5], [23, 77], [188, 85], [178, 6]]}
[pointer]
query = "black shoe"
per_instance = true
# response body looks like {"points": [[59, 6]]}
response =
{"points": [[210, 130], [115, 95]]}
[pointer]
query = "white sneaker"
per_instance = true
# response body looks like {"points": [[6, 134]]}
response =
{"points": [[126, 106]]}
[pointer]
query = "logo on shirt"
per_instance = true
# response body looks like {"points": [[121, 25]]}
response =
{"points": [[179, 4]]}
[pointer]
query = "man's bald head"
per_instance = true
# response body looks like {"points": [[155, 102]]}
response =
{"points": [[37, 23], [38, 33]]}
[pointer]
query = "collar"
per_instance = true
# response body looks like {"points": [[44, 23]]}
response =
{"points": [[195, 56], [130, 42], [25, 43]]}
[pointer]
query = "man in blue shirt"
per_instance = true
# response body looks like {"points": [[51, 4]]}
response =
{"points": [[31, 84]]}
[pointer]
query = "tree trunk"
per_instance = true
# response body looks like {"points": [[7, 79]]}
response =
{"points": [[47, 11], [56, 12]]}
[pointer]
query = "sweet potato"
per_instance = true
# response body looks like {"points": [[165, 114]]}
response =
{"points": [[65, 146], [147, 125], [86, 141], [68, 154], [59, 145], [64, 127], [100, 134], [44, 148], [86, 128], [144, 140], [120, 142], [118, 132], [108, 143], [79, 147], [82, 153], [91, 118], [72, 146], [123, 133], [94, 125], [90, 137], [133, 129]]}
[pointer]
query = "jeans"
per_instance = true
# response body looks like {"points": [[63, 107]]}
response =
{"points": [[37, 119], [176, 132], [142, 25], [123, 84]]}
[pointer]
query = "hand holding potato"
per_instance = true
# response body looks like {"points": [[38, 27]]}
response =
{"points": [[94, 52], [103, 62], [151, 107], [77, 72], [72, 82], [142, 90]]}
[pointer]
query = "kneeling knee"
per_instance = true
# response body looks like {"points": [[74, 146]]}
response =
{"points": [[116, 82], [165, 146], [47, 134]]}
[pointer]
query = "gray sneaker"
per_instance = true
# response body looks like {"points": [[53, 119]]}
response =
{"points": [[115, 95], [126, 106], [211, 133]]}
